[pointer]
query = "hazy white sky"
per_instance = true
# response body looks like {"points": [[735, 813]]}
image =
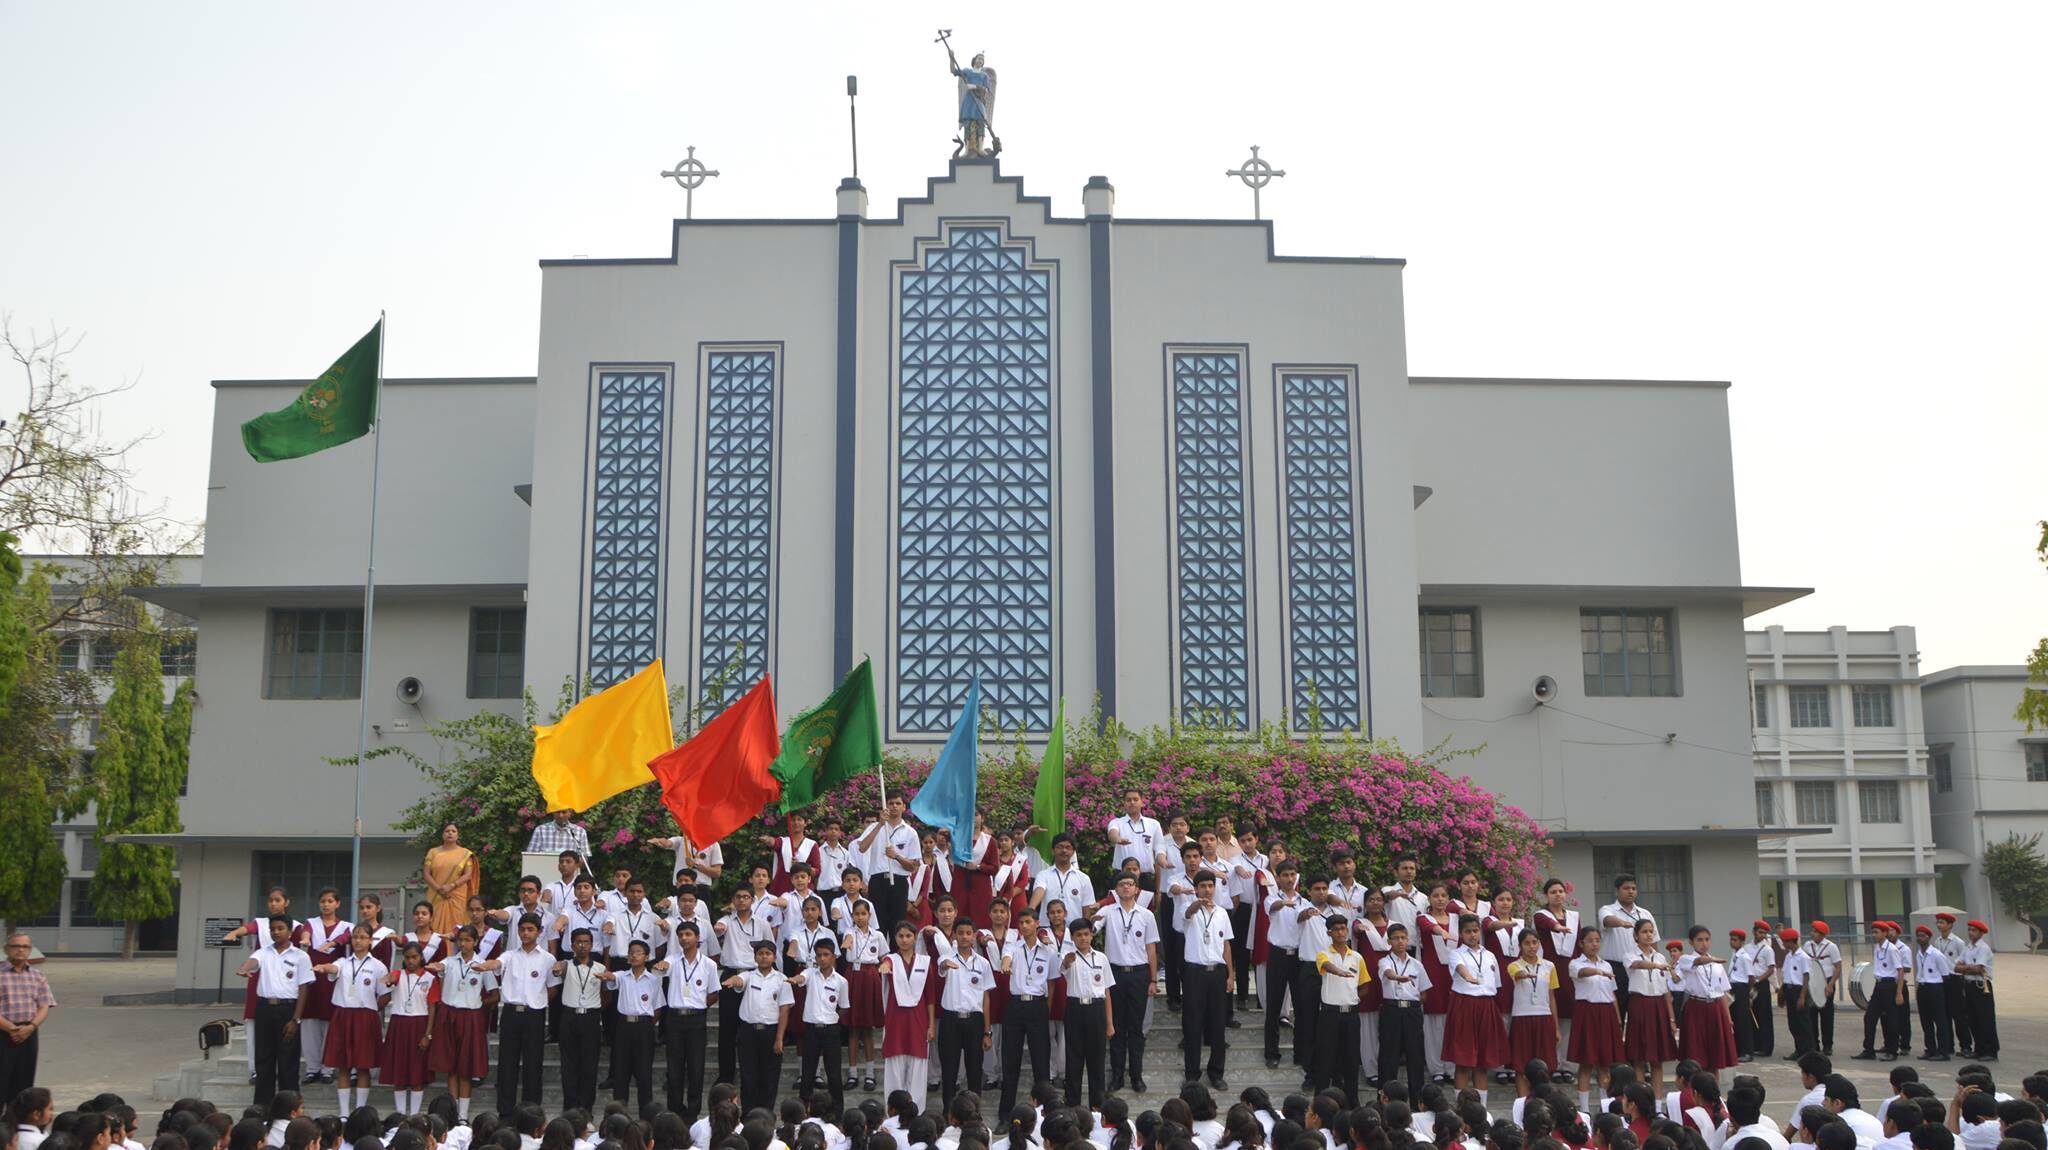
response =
{"points": [[1838, 207]]}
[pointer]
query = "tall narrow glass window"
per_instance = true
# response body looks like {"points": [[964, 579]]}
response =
{"points": [[1212, 600], [625, 525], [739, 520], [1322, 550]]}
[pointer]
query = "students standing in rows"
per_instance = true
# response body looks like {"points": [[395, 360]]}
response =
{"points": [[1130, 940], [1557, 925], [1618, 922], [737, 933], [1951, 944], [1312, 937], [280, 974], [460, 1035], [1403, 981], [825, 1001], [1799, 977], [1763, 960], [1208, 979], [692, 988], [580, 1033], [763, 1021], [1283, 962], [965, 978], [1090, 1021], [1341, 971], [1596, 1042], [526, 974], [1931, 970], [640, 997], [1880, 1015], [1976, 967], [1028, 966]]}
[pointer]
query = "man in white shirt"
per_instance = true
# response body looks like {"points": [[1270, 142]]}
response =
{"points": [[1313, 939], [1841, 1099], [1403, 982], [1800, 1013], [1171, 861], [1135, 835], [1824, 982], [738, 934], [282, 973], [692, 988], [1029, 964], [1089, 1025], [1951, 944], [1404, 899], [1931, 971], [1130, 939], [1763, 959], [1208, 980], [1063, 882], [965, 980], [1975, 966], [890, 845], [526, 974], [1283, 962], [1880, 1014], [1618, 921]]}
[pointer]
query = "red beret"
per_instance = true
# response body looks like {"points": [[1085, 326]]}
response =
{"points": [[1675, 944], [1789, 934], [1738, 932], [1926, 930], [1820, 928], [1944, 916], [1762, 924], [1975, 924], [1881, 924]]}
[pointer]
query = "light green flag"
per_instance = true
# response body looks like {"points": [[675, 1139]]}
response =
{"points": [[1049, 800], [332, 410]]}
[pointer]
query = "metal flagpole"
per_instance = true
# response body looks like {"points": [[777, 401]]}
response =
{"points": [[355, 854]]}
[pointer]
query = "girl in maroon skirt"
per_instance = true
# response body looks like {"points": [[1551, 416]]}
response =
{"points": [[353, 1041], [1532, 1025], [1708, 1036], [863, 947], [1473, 1038], [1650, 1039], [459, 1043], [326, 941], [403, 1066], [1596, 1023]]}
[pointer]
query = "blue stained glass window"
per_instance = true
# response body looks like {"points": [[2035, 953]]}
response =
{"points": [[1322, 547], [974, 563], [739, 489], [1214, 624], [625, 525]]}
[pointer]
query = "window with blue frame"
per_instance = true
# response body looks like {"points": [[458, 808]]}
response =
{"points": [[1212, 596]]}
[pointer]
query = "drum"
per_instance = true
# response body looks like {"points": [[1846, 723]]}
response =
{"points": [[1862, 984]]}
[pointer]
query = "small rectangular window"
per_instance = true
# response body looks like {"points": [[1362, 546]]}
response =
{"points": [[104, 648], [1815, 803], [70, 650], [179, 658], [1629, 652], [1760, 706], [1872, 705], [1944, 772], [1766, 805], [1449, 642], [1808, 706], [1879, 799], [315, 654], [2037, 762], [497, 652]]}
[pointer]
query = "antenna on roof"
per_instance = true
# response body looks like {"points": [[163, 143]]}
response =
{"points": [[853, 121]]}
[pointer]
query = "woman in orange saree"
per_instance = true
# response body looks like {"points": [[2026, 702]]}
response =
{"points": [[451, 874]]}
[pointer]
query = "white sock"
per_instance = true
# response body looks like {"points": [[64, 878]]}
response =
{"points": [[345, 1094], [1586, 1101], [462, 1108], [399, 1100]]}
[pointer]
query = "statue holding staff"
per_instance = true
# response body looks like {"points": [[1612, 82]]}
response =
{"points": [[977, 103]]}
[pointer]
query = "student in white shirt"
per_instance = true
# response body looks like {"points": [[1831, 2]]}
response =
{"points": [[1708, 1036], [1064, 882], [765, 998], [826, 996], [1840, 1097], [353, 1035], [1745, 1120], [1403, 980], [1976, 968], [1532, 1024], [1135, 834], [1618, 922], [1473, 1038]]}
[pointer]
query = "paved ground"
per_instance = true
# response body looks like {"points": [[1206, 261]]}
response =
{"points": [[89, 1047]]}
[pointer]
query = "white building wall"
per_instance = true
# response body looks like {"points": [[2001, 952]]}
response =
{"points": [[1970, 720]]}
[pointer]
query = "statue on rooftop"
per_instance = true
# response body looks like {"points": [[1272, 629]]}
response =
{"points": [[977, 103]]}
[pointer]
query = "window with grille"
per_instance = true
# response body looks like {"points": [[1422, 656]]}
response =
{"points": [[1879, 800], [1815, 803], [69, 651], [1808, 706], [1663, 879], [104, 648], [1629, 651], [1944, 772], [1450, 653], [2037, 762], [179, 658], [302, 874], [315, 654], [1760, 706], [497, 652], [1872, 705], [1766, 805]]}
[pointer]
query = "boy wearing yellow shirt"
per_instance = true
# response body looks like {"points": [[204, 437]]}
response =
{"points": [[1343, 972]]}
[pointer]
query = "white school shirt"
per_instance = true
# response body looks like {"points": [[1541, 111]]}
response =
{"points": [[1244, 877], [1408, 967], [962, 984], [359, 982], [1532, 995], [904, 838], [1824, 958], [524, 977], [692, 983], [1951, 944], [1283, 927], [1088, 976], [1620, 941], [409, 998], [1705, 980], [545, 913], [580, 918], [1174, 868], [582, 989], [1979, 954], [825, 998], [1071, 886], [1980, 1135], [280, 973], [862, 948], [832, 864], [1762, 957], [462, 986], [792, 921], [1565, 939], [1126, 934], [1314, 933], [1031, 965], [736, 945], [640, 995], [842, 912], [1403, 908], [1884, 962], [707, 938], [713, 855], [1738, 967], [1482, 964], [1145, 835], [1869, 1131], [1350, 899], [1591, 987], [1763, 1130], [1647, 982], [1207, 934], [1931, 966], [763, 995], [1797, 967], [645, 924], [807, 940]]}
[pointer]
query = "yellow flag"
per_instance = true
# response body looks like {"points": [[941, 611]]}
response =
{"points": [[602, 746]]}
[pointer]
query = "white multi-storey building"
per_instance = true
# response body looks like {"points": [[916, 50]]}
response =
{"points": [[1990, 780], [1841, 775]]}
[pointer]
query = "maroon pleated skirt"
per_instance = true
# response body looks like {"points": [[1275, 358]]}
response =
{"points": [[1532, 1037], [1472, 1034], [404, 1066], [461, 1044], [353, 1039], [1596, 1035], [1649, 1037], [863, 998], [1709, 1034]]}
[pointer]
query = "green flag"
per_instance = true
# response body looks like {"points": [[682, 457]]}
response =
{"points": [[339, 406], [830, 743], [1049, 800]]}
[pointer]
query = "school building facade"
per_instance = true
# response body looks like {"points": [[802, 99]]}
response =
{"points": [[1078, 455]]}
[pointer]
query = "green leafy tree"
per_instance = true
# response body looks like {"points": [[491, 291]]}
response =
{"points": [[2019, 877], [178, 736], [136, 791], [38, 782], [2033, 708]]}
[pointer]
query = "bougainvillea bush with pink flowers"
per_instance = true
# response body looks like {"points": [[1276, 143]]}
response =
{"points": [[1314, 793]]}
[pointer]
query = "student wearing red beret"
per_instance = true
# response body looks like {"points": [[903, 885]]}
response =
{"points": [[1957, 1033], [1763, 959], [1739, 994], [1881, 1013], [1931, 970], [1976, 967], [1824, 982], [1800, 977]]}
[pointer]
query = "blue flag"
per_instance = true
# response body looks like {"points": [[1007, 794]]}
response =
{"points": [[947, 798]]}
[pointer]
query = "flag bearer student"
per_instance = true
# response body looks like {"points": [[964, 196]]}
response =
{"points": [[353, 1033], [706, 864], [1130, 939], [1283, 964], [1951, 944], [1091, 1023], [1976, 965], [1313, 938], [1207, 979], [966, 978], [785, 851], [1931, 970], [526, 975], [460, 1037], [402, 1060], [1028, 965], [737, 934], [1063, 881], [826, 994], [1342, 971], [890, 845], [1403, 979], [279, 973], [763, 1020], [580, 1033], [1763, 959], [1798, 976], [640, 998], [692, 987]]}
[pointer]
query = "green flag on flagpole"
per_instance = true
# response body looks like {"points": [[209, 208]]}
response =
{"points": [[832, 742], [1049, 800], [332, 410]]}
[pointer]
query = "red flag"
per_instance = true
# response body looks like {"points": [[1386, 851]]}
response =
{"points": [[719, 780]]}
